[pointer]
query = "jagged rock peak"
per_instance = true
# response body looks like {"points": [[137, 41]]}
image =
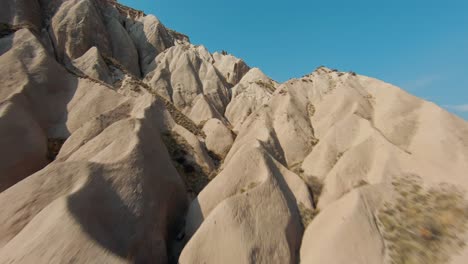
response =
{"points": [[125, 10], [121, 142]]}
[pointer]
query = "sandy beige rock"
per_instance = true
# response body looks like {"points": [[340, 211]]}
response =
{"points": [[355, 145], [202, 110], [348, 224], [123, 48], [150, 38], [253, 188], [357, 152], [52, 109], [371, 173], [76, 27], [219, 138], [93, 65], [116, 213], [20, 159], [283, 125], [232, 68], [198, 151], [252, 92], [183, 73]]}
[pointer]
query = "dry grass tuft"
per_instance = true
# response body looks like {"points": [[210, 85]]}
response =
{"points": [[307, 215], [313, 183], [311, 109], [424, 226], [361, 183], [283, 92], [338, 156], [179, 149], [249, 187], [269, 85], [180, 118]]}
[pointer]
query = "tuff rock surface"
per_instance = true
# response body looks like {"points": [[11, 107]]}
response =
{"points": [[122, 142]]}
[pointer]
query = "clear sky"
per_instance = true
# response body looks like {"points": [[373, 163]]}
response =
{"points": [[419, 45]]}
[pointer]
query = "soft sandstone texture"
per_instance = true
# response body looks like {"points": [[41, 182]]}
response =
{"points": [[172, 154]]}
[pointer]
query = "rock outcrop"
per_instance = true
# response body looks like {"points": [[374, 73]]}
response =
{"points": [[93, 65], [219, 137], [124, 143], [252, 92]]}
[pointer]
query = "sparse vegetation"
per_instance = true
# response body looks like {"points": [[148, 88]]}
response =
{"points": [[178, 35], [315, 187], [194, 176], [307, 215], [180, 118], [314, 141], [217, 160], [202, 124], [352, 73], [313, 183], [424, 226], [370, 98], [78, 73], [338, 156], [53, 147], [7, 29], [112, 62], [249, 187], [319, 67], [268, 85], [127, 11], [298, 170], [361, 183], [310, 109]]}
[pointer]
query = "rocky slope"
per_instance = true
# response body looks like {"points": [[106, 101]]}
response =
{"points": [[124, 143]]}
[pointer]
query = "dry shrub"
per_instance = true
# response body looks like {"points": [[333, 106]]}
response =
{"points": [[307, 215], [424, 226], [53, 147], [268, 85], [179, 149], [250, 186]]}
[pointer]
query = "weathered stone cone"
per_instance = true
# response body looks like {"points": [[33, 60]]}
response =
{"points": [[121, 142]]}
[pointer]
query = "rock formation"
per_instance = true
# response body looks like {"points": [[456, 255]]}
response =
{"points": [[122, 142]]}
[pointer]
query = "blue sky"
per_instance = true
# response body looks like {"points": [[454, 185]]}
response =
{"points": [[421, 46]]}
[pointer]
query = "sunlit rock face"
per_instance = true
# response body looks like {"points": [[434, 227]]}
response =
{"points": [[122, 142]]}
